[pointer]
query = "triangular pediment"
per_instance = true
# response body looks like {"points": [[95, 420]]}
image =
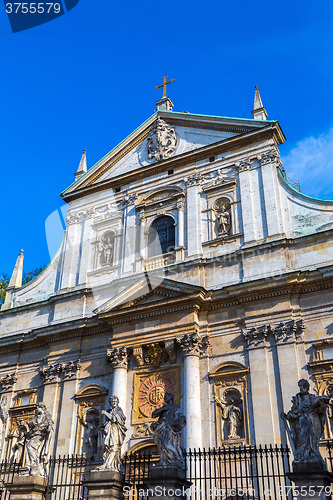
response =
{"points": [[186, 133], [148, 290]]}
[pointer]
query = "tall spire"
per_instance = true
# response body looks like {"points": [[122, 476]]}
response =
{"points": [[83, 166], [259, 112], [15, 282]]}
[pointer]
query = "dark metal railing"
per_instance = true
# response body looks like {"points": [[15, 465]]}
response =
{"points": [[7, 472]]}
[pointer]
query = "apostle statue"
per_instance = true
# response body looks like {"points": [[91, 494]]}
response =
{"points": [[306, 421], [167, 430], [112, 435], [232, 412], [107, 246], [38, 440]]}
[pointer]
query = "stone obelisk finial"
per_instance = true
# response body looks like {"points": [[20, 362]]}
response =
{"points": [[15, 282], [83, 166], [259, 112]]}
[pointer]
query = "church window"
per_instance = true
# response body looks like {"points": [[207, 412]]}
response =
{"points": [[161, 236]]}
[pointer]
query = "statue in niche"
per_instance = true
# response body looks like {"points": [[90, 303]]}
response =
{"points": [[112, 435], [167, 430], [107, 249], [38, 440], [329, 393], [18, 447], [222, 218], [305, 425], [161, 141], [91, 424], [232, 412]]}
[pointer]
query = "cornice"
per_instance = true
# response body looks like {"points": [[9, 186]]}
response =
{"points": [[269, 132]]}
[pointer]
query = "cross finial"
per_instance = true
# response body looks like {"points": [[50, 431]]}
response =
{"points": [[164, 84]]}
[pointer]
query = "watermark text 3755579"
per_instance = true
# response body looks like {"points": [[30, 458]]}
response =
{"points": [[26, 15]]}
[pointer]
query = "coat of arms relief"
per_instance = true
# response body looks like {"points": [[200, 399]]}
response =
{"points": [[161, 141]]}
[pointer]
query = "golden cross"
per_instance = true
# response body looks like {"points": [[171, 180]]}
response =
{"points": [[164, 84]]}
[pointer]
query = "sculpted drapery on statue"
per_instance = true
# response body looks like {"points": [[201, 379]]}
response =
{"points": [[232, 412], [112, 435], [167, 430], [38, 440], [307, 420]]}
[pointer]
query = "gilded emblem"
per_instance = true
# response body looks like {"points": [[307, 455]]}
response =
{"points": [[152, 390]]}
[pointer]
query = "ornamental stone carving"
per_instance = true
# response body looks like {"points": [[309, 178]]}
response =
{"points": [[129, 199], [59, 371], [271, 156], [7, 381], [244, 165], [152, 391], [305, 423], [193, 344], [193, 180], [161, 141], [155, 354], [3, 419], [282, 332], [118, 357], [74, 217]]}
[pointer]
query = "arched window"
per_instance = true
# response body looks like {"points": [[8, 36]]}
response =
{"points": [[161, 238]]}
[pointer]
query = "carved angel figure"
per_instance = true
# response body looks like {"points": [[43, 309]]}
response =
{"points": [[167, 432], [112, 435], [161, 141], [38, 440], [306, 420]]}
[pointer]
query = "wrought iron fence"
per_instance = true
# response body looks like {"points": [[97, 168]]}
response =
{"points": [[241, 472]]}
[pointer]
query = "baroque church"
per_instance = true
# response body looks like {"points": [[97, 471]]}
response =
{"points": [[190, 264]]}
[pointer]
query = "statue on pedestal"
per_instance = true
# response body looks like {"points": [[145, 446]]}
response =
{"points": [[112, 435], [306, 421], [167, 430], [38, 440]]}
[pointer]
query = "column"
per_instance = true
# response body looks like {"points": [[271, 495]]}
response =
{"points": [[246, 192], [129, 234], [193, 347], [269, 164], [193, 212], [118, 358], [84, 251]]}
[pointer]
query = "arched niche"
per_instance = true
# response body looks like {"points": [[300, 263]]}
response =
{"points": [[90, 401], [231, 403]]}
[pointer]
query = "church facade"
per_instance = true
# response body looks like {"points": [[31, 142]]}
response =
{"points": [[189, 265]]}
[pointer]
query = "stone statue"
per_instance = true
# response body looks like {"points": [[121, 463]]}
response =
{"points": [[18, 448], [38, 440], [232, 412], [167, 430], [107, 243], [90, 422], [306, 421], [223, 224], [112, 435]]}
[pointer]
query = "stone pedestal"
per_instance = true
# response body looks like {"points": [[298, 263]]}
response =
{"points": [[27, 487], [311, 484], [166, 483], [105, 484]]}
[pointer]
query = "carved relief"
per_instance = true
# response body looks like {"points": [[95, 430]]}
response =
{"points": [[271, 156], [143, 430], [161, 141], [231, 408], [149, 390], [222, 213], [282, 332], [74, 217], [155, 354], [193, 180], [60, 371], [107, 248], [129, 199]]}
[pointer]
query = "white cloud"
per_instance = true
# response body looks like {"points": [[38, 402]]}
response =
{"points": [[311, 161]]}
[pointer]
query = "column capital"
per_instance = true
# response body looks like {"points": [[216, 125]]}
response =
{"points": [[118, 357], [193, 344]]}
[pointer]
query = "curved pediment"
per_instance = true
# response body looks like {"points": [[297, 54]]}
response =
{"points": [[158, 195]]}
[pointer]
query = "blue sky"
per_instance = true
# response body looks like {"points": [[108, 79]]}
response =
{"points": [[86, 80]]}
